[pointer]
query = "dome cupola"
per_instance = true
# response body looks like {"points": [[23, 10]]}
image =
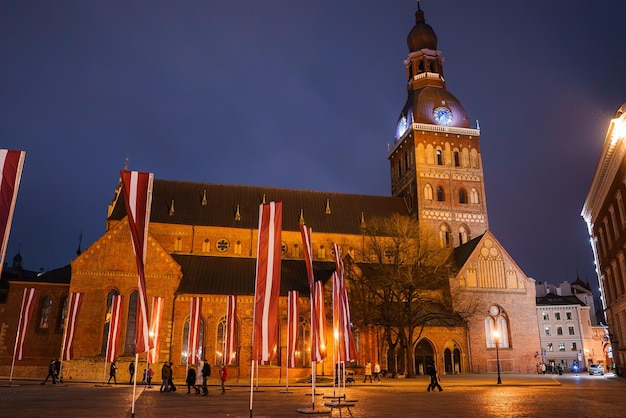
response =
{"points": [[422, 36]]}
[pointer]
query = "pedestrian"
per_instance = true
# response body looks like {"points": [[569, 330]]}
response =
{"points": [[368, 372], [191, 378], [51, 372], [543, 368], [223, 377], [432, 372], [377, 372], [112, 373], [171, 380], [198, 383], [57, 370], [149, 376], [206, 372], [143, 377], [166, 375], [131, 371]]}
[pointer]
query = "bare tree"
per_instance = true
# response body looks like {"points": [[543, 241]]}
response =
{"points": [[402, 283]]}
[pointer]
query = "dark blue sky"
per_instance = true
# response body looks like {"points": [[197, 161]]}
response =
{"points": [[304, 95]]}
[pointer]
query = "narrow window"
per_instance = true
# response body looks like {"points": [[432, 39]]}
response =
{"points": [[185, 352], [44, 317], [131, 323], [462, 196], [439, 157], [428, 192], [557, 316], [107, 320], [570, 330], [441, 197], [221, 341]]}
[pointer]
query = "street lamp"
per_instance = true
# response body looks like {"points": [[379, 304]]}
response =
{"points": [[496, 337]]}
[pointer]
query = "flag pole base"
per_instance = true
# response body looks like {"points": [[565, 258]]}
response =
{"points": [[311, 411]]}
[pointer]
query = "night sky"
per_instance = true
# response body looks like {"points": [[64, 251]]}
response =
{"points": [[304, 95]]}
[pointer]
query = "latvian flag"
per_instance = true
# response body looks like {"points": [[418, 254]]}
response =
{"points": [[155, 328], [11, 163], [267, 287], [230, 345], [73, 309], [28, 303], [195, 321], [137, 189], [341, 312], [114, 328], [317, 352], [293, 320]]}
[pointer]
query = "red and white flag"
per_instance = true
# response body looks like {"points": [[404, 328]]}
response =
{"points": [[230, 344], [267, 286], [155, 328], [293, 319], [11, 164], [195, 321], [320, 320], [28, 303], [341, 313], [73, 308], [114, 328], [317, 353], [137, 189]]}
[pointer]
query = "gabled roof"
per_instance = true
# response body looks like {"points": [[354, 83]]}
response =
{"points": [[552, 299], [61, 275], [324, 211], [464, 251], [236, 275]]}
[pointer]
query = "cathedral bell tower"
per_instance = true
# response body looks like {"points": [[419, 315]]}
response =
{"points": [[435, 157]]}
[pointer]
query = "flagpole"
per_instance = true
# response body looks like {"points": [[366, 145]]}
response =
{"points": [[132, 408], [251, 384], [63, 343]]}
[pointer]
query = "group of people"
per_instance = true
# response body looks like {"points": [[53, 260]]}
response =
{"points": [[368, 372], [54, 371], [196, 379]]}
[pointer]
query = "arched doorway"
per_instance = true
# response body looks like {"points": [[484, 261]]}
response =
{"points": [[457, 360], [424, 354], [447, 361]]}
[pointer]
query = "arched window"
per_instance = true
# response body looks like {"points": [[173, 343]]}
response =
{"points": [[441, 196], [462, 196], [107, 320], [457, 158], [185, 351], [321, 253], [238, 247], [463, 235], [497, 328], [303, 353], [444, 236], [44, 312], [206, 246], [62, 315], [439, 155], [131, 324], [178, 244], [428, 192], [295, 251], [221, 341], [474, 196]]}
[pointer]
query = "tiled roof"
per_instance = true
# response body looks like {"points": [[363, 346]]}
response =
{"points": [[61, 275], [463, 252], [236, 275], [552, 299], [223, 202]]}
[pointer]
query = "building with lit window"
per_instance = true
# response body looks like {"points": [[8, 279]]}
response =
{"points": [[202, 243], [605, 215]]}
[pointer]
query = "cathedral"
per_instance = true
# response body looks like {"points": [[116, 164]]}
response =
{"points": [[202, 243]]}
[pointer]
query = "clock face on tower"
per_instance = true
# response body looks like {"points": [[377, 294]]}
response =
{"points": [[403, 125], [442, 116]]}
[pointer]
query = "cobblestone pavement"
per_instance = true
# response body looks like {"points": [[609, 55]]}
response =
{"points": [[463, 396]]}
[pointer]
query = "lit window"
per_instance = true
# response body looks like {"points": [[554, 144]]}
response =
{"points": [[546, 316], [561, 346], [46, 308], [547, 330]]}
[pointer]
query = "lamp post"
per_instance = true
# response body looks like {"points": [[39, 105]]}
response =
{"points": [[496, 337]]}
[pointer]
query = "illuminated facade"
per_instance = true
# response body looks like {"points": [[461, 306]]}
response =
{"points": [[605, 214]]}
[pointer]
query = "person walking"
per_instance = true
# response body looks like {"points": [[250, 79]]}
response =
{"points": [[149, 376], [206, 372], [112, 373], [368, 372], [377, 372], [191, 378], [432, 372], [198, 383], [57, 370], [171, 380], [51, 372], [223, 377], [166, 375], [131, 371]]}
